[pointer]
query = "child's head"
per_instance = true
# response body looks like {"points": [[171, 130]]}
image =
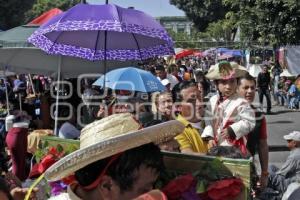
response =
{"points": [[227, 87], [225, 75], [293, 139], [225, 151]]}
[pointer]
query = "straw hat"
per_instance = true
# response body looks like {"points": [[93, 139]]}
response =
{"points": [[109, 136], [226, 70]]}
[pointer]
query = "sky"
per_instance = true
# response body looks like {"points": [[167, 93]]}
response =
{"points": [[155, 8]]}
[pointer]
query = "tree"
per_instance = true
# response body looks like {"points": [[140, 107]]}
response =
{"points": [[280, 25], [272, 22], [202, 12], [12, 12], [221, 30], [42, 6]]}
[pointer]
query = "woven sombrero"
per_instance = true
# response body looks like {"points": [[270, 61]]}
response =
{"points": [[226, 70], [109, 136]]}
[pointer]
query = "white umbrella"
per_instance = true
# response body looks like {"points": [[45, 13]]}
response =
{"points": [[254, 70], [286, 73], [35, 61]]}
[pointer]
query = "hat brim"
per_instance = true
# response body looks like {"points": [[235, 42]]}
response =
{"points": [[214, 72], [215, 75], [287, 137], [85, 156]]}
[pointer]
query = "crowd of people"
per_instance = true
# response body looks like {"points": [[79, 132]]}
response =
{"points": [[201, 110]]}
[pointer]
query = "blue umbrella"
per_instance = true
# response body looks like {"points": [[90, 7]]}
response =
{"points": [[131, 79]]}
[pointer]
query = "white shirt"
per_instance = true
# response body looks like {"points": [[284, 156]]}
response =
{"points": [[172, 79]]}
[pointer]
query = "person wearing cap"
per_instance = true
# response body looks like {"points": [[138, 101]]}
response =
{"points": [[279, 179], [257, 139], [117, 159], [233, 116]]}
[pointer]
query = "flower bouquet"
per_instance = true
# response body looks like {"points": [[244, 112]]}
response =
{"points": [[51, 149], [193, 177]]}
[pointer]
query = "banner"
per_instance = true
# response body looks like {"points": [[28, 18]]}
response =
{"points": [[293, 59]]}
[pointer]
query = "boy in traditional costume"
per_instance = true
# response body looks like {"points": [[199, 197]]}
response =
{"points": [[233, 116]]}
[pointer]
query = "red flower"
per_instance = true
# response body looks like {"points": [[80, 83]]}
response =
{"points": [[53, 151], [175, 188], [41, 167], [46, 162], [226, 189], [69, 180]]}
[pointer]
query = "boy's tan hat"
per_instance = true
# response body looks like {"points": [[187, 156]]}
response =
{"points": [[226, 70]]}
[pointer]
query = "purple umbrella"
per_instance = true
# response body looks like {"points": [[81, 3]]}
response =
{"points": [[103, 32]]}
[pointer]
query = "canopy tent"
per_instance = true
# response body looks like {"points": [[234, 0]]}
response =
{"points": [[17, 37], [198, 54], [46, 16], [184, 53], [34, 60]]}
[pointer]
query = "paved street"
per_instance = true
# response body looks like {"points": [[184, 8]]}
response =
{"points": [[283, 121]]}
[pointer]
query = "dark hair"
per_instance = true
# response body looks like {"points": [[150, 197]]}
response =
{"points": [[172, 68], [123, 169], [176, 92], [200, 78], [247, 77], [5, 189], [225, 151], [160, 68]]}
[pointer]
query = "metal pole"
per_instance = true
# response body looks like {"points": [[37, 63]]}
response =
{"points": [[31, 83], [57, 96], [106, 1], [20, 101], [6, 93]]}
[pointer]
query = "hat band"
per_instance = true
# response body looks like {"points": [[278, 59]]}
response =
{"points": [[231, 75], [97, 181]]}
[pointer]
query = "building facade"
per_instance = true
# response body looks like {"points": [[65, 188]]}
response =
{"points": [[178, 24]]}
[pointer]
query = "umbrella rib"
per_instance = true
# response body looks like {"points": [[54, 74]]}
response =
{"points": [[138, 46], [96, 44]]}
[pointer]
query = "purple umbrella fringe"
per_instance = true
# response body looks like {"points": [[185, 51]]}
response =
{"points": [[48, 46], [105, 25]]}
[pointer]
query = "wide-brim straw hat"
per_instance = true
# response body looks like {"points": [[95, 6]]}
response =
{"points": [[109, 136], [226, 70]]}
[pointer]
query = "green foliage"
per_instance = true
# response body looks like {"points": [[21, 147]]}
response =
{"points": [[201, 12], [12, 12], [269, 22], [220, 30], [183, 40], [281, 23], [42, 6]]}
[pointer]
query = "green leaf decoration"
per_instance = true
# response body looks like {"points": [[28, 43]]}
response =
{"points": [[45, 144], [200, 188], [59, 148]]}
